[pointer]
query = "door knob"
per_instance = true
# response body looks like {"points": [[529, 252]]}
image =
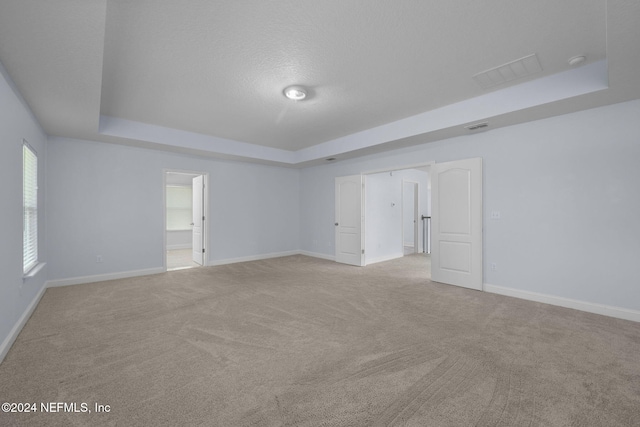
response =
{"points": [[336, 223]]}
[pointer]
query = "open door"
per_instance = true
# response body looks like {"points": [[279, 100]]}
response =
{"points": [[198, 220], [456, 215], [410, 204], [348, 224]]}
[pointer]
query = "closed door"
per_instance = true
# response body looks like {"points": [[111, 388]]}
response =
{"points": [[348, 220], [456, 202], [198, 220]]}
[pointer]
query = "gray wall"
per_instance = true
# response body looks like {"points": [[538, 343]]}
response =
{"points": [[567, 189], [107, 200], [16, 123]]}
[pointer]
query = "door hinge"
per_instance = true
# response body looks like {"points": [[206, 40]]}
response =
{"points": [[363, 252], [203, 217], [202, 250]]}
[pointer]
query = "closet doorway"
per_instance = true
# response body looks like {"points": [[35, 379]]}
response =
{"points": [[185, 219]]}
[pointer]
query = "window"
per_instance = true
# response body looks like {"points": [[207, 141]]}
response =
{"points": [[29, 208]]}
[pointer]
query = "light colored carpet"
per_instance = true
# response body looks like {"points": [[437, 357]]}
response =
{"points": [[298, 341]]}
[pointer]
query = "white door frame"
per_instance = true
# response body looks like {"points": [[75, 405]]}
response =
{"points": [[205, 240], [415, 208]]}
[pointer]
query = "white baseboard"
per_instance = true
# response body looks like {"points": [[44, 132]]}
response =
{"points": [[605, 310], [318, 255], [251, 258], [270, 255], [15, 331], [180, 246], [103, 277], [383, 258]]}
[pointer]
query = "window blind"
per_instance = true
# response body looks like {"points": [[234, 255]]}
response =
{"points": [[29, 208]]}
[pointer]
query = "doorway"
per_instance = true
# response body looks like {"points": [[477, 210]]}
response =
{"points": [[383, 205], [185, 218], [456, 228]]}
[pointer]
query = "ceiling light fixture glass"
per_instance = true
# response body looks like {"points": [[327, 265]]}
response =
{"points": [[577, 60], [296, 93]]}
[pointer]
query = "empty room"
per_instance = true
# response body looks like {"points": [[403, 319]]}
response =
{"points": [[320, 213]]}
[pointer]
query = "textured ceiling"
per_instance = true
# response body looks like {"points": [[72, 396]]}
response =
{"points": [[209, 75], [219, 68]]}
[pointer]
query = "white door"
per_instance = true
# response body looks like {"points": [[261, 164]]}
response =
{"points": [[416, 205], [198, 220], [348, 224], [456, 215], [410, 215]]}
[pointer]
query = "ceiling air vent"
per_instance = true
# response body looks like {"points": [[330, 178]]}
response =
{"points": [[504, 73], [477, 126]]}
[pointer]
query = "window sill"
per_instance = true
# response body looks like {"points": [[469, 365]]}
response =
{"points": [[34, 271]]}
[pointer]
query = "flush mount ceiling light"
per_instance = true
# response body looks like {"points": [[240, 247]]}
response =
{"points": [[295, 93], [576, 60]]}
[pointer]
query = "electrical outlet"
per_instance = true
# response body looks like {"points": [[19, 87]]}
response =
{"points": [[99, 258], [494, 266], [495, 215]]}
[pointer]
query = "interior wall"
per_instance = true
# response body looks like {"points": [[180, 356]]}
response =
{"points": [[383, 211], [564, 230], [17, 122], [107, 200]]}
